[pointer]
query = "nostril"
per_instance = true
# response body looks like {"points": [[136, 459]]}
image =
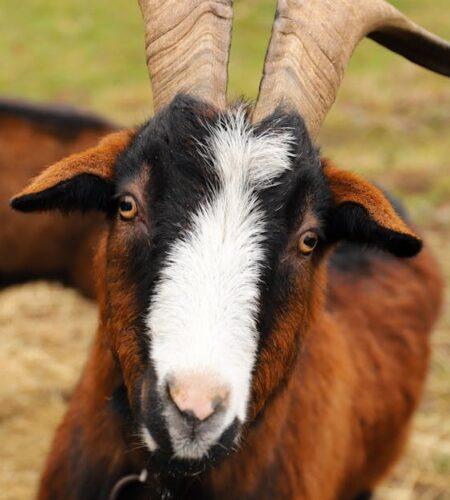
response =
{"points": [[197, 397], [219, 401]]}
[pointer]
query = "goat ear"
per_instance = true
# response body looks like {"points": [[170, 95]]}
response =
{"points": [[82, 181], [363, 214]]}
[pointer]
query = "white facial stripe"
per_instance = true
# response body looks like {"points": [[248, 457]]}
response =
{"points": [[203, 313]]}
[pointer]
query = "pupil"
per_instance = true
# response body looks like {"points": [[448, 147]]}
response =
{"points": [[310, 241], [126, 206]]}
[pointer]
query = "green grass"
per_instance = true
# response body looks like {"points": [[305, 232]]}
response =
{"points": [[391, 121], [89, 53]]}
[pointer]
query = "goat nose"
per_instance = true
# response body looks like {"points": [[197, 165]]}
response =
{"points": [[198, 395]]}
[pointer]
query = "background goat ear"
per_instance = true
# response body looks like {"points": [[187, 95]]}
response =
{"points": [[82, 181], [363, 214]]}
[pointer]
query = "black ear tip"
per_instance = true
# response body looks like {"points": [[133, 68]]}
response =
{"points": [[25, 203], [405, 245], [29, 202], [415, 246], [18, 203]]}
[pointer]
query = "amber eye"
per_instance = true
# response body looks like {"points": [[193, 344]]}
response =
{"points": [[127, 207], [307, 242]]}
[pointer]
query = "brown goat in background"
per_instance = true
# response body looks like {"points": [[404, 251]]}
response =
{"points": [[48, 246]]}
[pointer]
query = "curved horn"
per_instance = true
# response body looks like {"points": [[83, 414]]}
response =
{"points": [[187, 46], [313, 40]]}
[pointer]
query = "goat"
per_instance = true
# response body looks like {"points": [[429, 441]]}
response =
{"points": [[31, 137], [264, 315]]}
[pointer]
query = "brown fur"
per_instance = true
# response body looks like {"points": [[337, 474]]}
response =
{"points": [[343, 419], [332, 431], [45, 245], [333, 390]]}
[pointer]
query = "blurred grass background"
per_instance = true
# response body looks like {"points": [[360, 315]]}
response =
{"points": [[391, 122]]}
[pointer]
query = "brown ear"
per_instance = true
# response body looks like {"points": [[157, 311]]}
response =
{"points": [[363, 213], [80, 181]]}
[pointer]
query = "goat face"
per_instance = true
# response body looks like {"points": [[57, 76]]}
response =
{"points": [[204, 246], [211, 263]]}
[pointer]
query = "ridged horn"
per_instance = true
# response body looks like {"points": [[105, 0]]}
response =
{"points": [[312, 42], [187, 47]]}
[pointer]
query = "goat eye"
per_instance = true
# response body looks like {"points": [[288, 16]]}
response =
{"points": [[127, 207], [307, 242]]}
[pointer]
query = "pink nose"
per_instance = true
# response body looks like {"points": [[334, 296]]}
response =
{"points": [[198, 394]]}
